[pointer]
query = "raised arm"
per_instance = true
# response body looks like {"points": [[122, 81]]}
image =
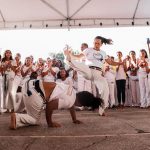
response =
{"points": [[113, 63]]}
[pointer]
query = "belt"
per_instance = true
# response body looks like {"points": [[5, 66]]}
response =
{"points": [[96, 68]]}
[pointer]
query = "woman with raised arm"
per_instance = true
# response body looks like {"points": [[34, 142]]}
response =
{"points": [[93, 67], [8, 76], [39, 68], [143, 79], [27, 69], [49, 72], [133, 79], [17, 64], [121, 80]]}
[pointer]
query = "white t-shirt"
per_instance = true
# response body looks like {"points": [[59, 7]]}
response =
{"points": [[120, 74], [94, 57]]}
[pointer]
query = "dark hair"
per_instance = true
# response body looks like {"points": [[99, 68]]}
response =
{"points": [[26, 60], [104, 40], [146, 56], [58, 74], [4, 58], [112, 57], [85, 44], [119, 52], [132, 52], [86, 98], [59, 64]]}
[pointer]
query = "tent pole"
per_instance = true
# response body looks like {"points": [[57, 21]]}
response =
{"points": [[148, 44]]}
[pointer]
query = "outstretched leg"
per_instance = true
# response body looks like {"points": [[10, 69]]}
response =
{"points": [[50, 106], [13, 121]]}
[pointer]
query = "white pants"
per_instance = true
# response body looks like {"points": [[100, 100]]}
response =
{"points": [[135, 92], [111, 86], [15, 96], [84, 84], [96, 77], [19, 104], [8, 84], [144, 91], [9, 96], [34, 105], [1, 93], [128, 100]]}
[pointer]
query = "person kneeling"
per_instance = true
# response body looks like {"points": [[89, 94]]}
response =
{"points": [[36, 94]]}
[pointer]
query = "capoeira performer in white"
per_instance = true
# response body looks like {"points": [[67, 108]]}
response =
{"points": [[56, 96], [92, 69], [110, 75], [35, 94]]}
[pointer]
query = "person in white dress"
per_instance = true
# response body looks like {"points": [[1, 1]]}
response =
{"points": [[143, 79], [39, 68], [17, 64], [8, 77], [133, 79], [49, 72]]}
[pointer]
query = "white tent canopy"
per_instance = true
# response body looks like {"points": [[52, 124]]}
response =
{"points": [[73, 13]]}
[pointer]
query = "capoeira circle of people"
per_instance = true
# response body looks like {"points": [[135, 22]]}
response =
{"points": [[37, 93]]}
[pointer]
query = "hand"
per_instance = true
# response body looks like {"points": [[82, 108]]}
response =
{"points": [[120, 63], [125, 60], [67, 52]]}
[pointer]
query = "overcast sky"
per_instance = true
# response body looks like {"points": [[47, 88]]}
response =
{"points": [[40, 42]]}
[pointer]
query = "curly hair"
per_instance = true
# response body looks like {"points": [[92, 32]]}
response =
{"points": [[86, 98]]}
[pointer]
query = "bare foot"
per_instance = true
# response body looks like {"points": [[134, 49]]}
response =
{"points": [[54, 125], [77, 122], [103, 114], [13, 121]]}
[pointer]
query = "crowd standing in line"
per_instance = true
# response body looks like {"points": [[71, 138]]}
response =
{"points": [[119, 81]]}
